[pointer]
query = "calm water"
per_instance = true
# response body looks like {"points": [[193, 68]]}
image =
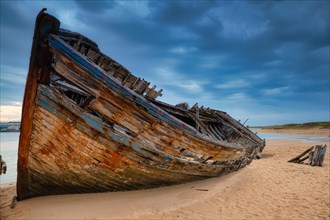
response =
{"points": [[8, 150], [9, 147], [308, 138]]}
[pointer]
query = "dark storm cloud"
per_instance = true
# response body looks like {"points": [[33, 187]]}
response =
{"points": [[17, 25], [179, 12], [13, 16], [97, 7], [245, 57]]}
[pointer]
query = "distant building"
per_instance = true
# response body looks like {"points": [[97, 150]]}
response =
{"points": [[10, 126]]}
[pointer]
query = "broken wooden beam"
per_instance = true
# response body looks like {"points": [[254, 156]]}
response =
{"points": [[302, 159], [215, 132], [141, 86], [199, 124], [293, 160]]}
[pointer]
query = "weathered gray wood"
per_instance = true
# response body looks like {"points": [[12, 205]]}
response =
{"points": [[313, 161], [141, 86], [219, 132], [310, 157], [126, 78], [218, 136], [151, 93], [322, 155], [293, 160], [302, 159], [316, 157], [182, 105], [213, 135], [3, 166], [159, 93], [133, 86], [197, 119], [199, 124], [195, 105], [13, 202]]}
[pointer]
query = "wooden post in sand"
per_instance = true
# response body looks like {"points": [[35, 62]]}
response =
{"points": [[3, 166], [315, 156]]}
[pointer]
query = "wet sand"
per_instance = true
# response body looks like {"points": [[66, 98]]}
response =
{"points": [[269, 188]]}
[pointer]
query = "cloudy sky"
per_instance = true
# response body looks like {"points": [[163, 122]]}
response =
{"points": [[266, 61]]}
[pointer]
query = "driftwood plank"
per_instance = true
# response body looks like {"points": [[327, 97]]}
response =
{"points": [[302, 159], [300, 155]]}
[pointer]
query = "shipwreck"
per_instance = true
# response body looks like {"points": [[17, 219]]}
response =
{"points": [[90, 125]]}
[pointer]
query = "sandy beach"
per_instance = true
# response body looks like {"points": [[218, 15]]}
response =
{"points": [[269, 188]]}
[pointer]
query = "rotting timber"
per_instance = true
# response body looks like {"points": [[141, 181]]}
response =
{"points": [[90, 125]]}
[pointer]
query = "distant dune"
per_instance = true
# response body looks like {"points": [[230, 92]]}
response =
{"points": [[308, 125], [309, 128]]}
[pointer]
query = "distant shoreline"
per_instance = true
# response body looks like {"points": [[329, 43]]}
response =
{"points": [[302, 126], [310, 131]]}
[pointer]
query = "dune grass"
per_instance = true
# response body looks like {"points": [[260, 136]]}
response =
{"points": [[308, 125]]}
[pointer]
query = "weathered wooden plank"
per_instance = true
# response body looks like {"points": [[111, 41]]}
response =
{"points": [[316, 156], [218, 136], [302, 159], [322, 155], [92, 55], [219, 132], [302, 154], [141, 86], [199, 124]]}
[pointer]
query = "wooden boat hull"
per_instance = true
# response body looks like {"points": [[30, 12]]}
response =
{"points": [[104, 136]]}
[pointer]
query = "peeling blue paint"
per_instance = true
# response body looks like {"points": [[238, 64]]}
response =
{"points": [[119, 138], [45, 105], [92, 122], [146, 154], [136, 148], [165, 162]]}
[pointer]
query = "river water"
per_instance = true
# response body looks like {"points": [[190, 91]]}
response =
{"points": [[9, 148]]}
